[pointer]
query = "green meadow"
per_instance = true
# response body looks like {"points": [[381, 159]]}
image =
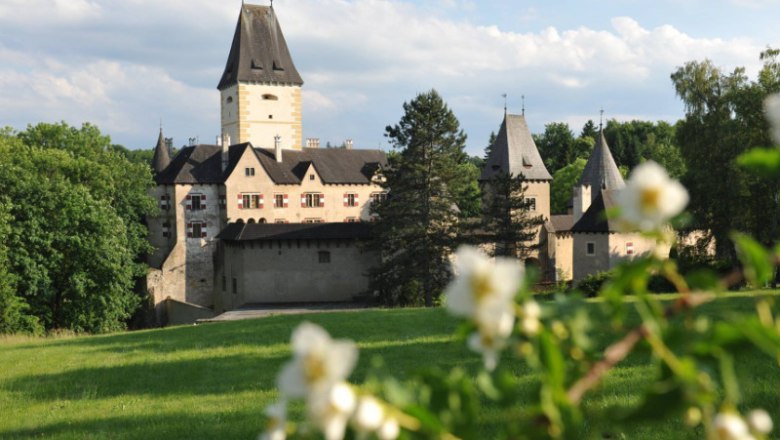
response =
{"points": [[213, 381]]}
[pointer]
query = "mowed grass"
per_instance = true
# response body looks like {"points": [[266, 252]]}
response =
{"points": [[213, 381]]}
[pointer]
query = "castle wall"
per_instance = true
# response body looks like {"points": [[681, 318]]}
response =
{"points": [[160, 238], [291, 271], [332, 211], [585, 264], [564, 256]]}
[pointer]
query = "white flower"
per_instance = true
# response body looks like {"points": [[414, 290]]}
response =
{"points": [[730, 426], [489, 346], [330, 408], [369, 414], [318, 361], [772, 110], [759, 421], [277, 420], [531, 313], [650, 198], [389, 429]]}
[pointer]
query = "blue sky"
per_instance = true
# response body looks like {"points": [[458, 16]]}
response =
{"points": [[126, 65]]}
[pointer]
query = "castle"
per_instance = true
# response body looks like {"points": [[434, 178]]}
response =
{"points": [[259, 218]]}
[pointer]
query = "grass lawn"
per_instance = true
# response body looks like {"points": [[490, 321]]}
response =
{"points": [[213, 381]]}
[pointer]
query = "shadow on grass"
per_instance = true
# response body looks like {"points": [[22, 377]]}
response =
{"points": [[215, 424]]}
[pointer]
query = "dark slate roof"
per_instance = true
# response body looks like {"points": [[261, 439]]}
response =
{"points": [[162, 157], [601, 171], [514, 151], [293, 231], [259, 52], [334, 165], [562, 223], [203, 164], [595, 218], [194, 164]]}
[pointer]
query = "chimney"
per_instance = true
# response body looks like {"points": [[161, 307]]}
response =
{"points": [[313, 143], [581, 201], [348, 144], [278, 148], [225, 151]]}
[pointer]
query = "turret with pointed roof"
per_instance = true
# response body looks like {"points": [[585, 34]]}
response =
{"points": [[514, 151], [162, 157], [601, 171]]}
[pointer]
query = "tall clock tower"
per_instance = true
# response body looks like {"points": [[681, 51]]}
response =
{"points": [[260, 89]]}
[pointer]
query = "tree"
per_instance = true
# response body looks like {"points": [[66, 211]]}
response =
{"points": [[506, 219], [563, 184], [589, 130], [556, 145], [723, 118], [76, 240], [417, 225]]}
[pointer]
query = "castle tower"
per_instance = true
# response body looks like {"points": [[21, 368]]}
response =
{"points": [[260, 89], [600, 173], [515, 152]]}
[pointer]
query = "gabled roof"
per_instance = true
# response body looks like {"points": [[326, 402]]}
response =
{"points": [[259, 52], [515, 152], [203, 164], [293, 231], [595, 218], [601, 171], [162, 157]]}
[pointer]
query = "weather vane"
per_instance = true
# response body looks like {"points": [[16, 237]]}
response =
{"points": [[522, 97], [503, 95], [601, 118]]}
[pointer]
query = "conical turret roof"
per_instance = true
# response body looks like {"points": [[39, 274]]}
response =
{"points": [[514, 151], [601, 171], [259, 52], [162, 157]]}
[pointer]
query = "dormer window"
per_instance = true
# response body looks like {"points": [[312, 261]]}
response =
{"points": [[257, 65], [270, 97], [278, 67]]}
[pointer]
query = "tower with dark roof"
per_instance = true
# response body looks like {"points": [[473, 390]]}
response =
{"points": [[162, 157], [260, 88], [601, 173]]}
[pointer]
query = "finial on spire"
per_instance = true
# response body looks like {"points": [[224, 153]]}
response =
{"points": [[503, 95], [522, 98], [272, 4], [601, 119], [160, 125]]}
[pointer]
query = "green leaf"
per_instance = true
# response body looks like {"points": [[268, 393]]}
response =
{"points": [[762, 161], [755, 259], [553, 360]]}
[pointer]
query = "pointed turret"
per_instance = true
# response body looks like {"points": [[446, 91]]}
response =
{"points": [[601, 171], [515, 152], [259, 51], [162, 158]]}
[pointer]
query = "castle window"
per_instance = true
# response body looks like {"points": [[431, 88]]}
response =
{"points": [[249, 172], [270, 97], [531, 203], [165, 202], [166, 229], [311, 176], [350, 199], [312, 200], [196, 202], [590, 248], [629, 248], [378, 197], [251, 201], [313, 220], [270, 116], [324, 256], [229, 99], [196, 230], [281, 200], [352, 220], [280, 221]]}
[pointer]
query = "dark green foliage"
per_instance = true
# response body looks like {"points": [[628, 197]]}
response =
{"points": [[506, 218], [591, 284], [634, 142], [724, 118], [77, 240], [556, 145], [563, 184], [418, 223], [589, 130]]}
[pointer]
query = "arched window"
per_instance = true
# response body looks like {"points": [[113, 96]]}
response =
{"points": [[262, 220], [229, 99], [250, 221], [240, 221]]}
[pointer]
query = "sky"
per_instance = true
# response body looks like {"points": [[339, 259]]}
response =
{"points": [[127, 65]]}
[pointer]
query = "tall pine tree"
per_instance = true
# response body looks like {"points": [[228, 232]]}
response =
{"points": [[417, 225], [506, 219]]}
